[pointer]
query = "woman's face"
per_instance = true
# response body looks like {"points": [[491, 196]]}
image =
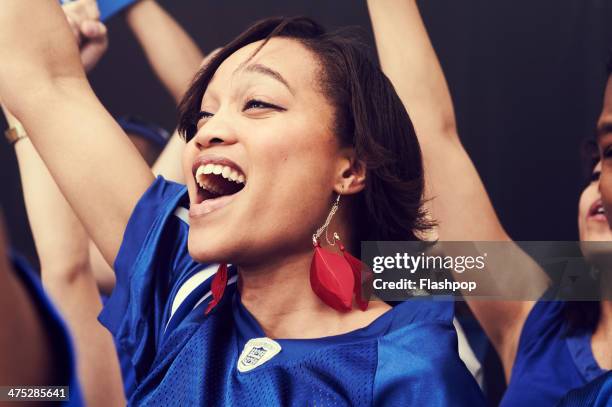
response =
{"points": [[592, 221], [267, 129], [604, 140]]}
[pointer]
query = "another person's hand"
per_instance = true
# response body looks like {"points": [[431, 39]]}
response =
{"points": [[90, 33]]}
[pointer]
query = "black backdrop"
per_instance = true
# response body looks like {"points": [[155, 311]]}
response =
{"points": [[526, 77]]}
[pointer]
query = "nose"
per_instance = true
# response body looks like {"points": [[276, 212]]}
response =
{"points": [[216, 131]]}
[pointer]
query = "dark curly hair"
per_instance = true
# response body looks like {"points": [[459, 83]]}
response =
{"points": [[369, 116]]}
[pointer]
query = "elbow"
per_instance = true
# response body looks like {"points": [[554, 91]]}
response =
{"points": [[65, 272]]}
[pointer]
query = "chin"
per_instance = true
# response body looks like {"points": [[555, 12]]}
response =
{"points": [[208, 248]]}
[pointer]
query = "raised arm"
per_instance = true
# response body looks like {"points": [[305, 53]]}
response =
{"points": [[62, 246], [171, 52], [42, 82], [459, 201]]}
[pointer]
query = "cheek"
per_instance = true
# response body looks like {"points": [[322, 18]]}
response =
{"points": [[605, 187], [585, 202], [294, 175], [188, 156]]}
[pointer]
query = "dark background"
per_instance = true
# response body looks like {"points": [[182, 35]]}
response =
{"points": [[526, 77]]}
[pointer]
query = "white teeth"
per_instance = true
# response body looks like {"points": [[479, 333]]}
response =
{"points": [[208, 168], [225, 171]]}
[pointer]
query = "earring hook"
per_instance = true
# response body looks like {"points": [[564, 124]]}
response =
{"points": [[332, 212]]}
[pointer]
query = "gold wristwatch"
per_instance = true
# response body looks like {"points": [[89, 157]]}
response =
{"points": [[14, 134]]}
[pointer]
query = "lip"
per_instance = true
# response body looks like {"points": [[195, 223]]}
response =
{"points": [[201, 209], [215, 159], [209, 205], [592, 213]]}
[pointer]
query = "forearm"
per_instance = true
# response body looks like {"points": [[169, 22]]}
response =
{"points": [[459, 202], [168, 164], [171, 52], [96, 167], [79, 303], [63, 250], [407, 57], [30, 55], [103, 273], [60, 239]]}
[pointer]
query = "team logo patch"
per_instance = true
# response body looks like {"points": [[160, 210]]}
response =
{"points": [[256, 352]]}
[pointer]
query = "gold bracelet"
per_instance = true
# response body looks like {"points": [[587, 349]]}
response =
{"points": [[13, 135]]}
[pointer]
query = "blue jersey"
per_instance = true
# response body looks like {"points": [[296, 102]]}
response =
{"points": [[597, 393], [182, 357], [57, 332], [548, 363]]}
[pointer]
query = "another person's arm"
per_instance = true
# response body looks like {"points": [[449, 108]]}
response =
{"points": [[171, 52], [42, 82], [459, 201], [62, 246]]}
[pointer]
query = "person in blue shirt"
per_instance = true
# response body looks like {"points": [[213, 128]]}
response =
{"points": [[35, 346], [543, 353], [283, 123]]}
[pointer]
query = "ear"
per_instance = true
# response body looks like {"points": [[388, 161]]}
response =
{"points": [[350, 173]]}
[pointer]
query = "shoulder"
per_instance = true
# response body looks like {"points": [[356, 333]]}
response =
{"points": [[56, 329], [544, 323], [418, 361]]}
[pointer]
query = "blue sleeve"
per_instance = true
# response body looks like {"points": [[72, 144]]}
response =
{"points": [[431, 373], [109, 8], [152, 256], [542, 326], [61, 343]]}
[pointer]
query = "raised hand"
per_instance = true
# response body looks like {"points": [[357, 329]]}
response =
{"points": [[90, 33]]}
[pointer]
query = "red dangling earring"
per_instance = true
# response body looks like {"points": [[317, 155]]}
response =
{"points": [[217, 287], [334, 278], [357, 267]]}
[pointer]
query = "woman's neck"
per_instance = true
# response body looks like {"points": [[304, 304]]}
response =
{"points": [[279, 296]]}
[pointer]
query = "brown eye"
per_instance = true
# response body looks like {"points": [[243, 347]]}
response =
{"points": [[258, 104]]}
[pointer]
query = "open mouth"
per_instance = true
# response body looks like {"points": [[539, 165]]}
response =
{"points": [[597, 210], [217, 181]]}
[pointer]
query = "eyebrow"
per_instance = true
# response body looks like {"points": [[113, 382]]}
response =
{"points": [[604, 128], [264, 70]]}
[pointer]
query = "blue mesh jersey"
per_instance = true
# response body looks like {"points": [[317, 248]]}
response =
{"points": [[597, 393], [548, 363], [63, 352], [182, 357]]}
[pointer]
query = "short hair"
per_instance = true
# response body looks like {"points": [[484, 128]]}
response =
{"points": [[369, 116]]}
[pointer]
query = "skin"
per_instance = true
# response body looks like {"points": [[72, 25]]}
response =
{"points": [[602, 337], [43, 70], [592, 227], [461, 205], [604, 138], [163, 40], [279, 135], [25, 349]]}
